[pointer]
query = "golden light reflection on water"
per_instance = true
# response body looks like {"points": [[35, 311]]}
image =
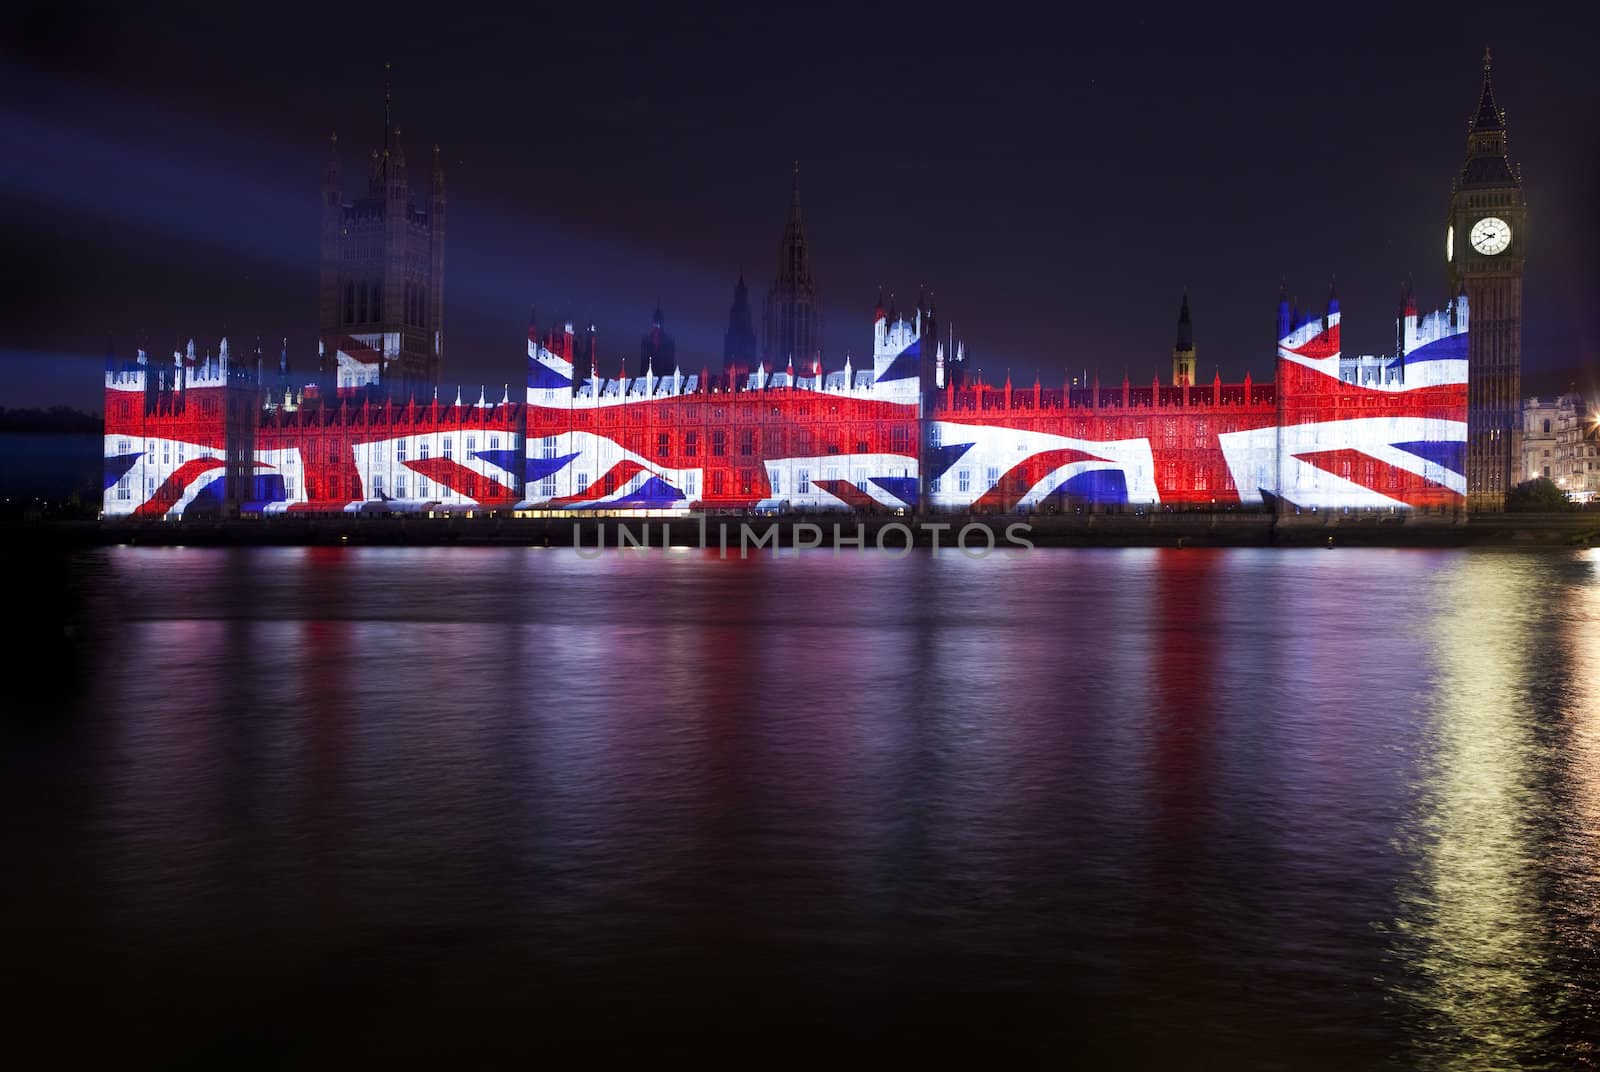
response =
{"points": [[1474, 921]]}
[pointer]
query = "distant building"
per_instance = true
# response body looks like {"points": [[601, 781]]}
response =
{"points": [[791, 327], [739, 345], [1561, 440], [382, 294], [658, 351]]}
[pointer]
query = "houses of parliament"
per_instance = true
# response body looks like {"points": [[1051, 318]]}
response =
{"points": [[1434, 425]]}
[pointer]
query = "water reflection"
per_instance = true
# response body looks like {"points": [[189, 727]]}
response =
{"points": [[1263, 808], [1473, 926]]}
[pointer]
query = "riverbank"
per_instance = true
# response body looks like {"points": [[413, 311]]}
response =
{"points": [[890, 533]]}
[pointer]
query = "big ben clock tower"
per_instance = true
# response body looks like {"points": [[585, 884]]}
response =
{"points": [[1485, 243]]}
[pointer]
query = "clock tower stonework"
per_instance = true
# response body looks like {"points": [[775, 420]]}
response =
{"points": [[1486, 243]]}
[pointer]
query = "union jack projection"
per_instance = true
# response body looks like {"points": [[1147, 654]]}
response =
{"points": [[200, 437], [203, 436], [808, 440], [1332, 432]]}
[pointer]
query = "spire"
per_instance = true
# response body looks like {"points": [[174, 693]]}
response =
{"points": [[387, 108], [794, 268], [1185, 326], [1490, 117], [1333, 297]]}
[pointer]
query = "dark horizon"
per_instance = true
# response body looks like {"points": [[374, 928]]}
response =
{"points": [[596, 168]]}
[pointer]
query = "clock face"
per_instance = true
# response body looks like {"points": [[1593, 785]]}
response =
{"points": [[1490, 236], [1450, 242]]}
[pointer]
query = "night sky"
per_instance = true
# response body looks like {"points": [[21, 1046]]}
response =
{"points": [[1057, 190]]}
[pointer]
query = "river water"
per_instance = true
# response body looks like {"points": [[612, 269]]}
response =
{"points": [[1231, 808]]}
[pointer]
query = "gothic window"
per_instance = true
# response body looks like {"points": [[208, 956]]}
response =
{"points": [[719, 443], [377, 302], [400, 449], [747, 442], [716, 482], [349, 303], [362, 306], [449, 447], [663, 444], [690, 439], [803, 482]]}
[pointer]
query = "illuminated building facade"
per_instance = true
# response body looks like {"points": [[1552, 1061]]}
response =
{"points": [[908, 429], [205, 436], [1561, 441]]}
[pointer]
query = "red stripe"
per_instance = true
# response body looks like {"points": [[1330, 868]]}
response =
{"points": [[848, 494], [168, 494], [620, 474], [454, 475], [1021, 478], [1410, 488]]}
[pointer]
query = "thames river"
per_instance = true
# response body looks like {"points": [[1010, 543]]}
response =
{"points": [[1237, 808]]}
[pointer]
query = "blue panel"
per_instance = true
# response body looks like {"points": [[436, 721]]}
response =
{"points": [[940, 459], [904, 365], [653, 492], [1096, 486], [505, 459], [903, 488], [264, 489], [1451, 348], [119, 464], [541, 375], [539, 468], [1449, 453], [209, 499]]}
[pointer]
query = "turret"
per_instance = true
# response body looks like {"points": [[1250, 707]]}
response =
{"points": [[1183, 355]]}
